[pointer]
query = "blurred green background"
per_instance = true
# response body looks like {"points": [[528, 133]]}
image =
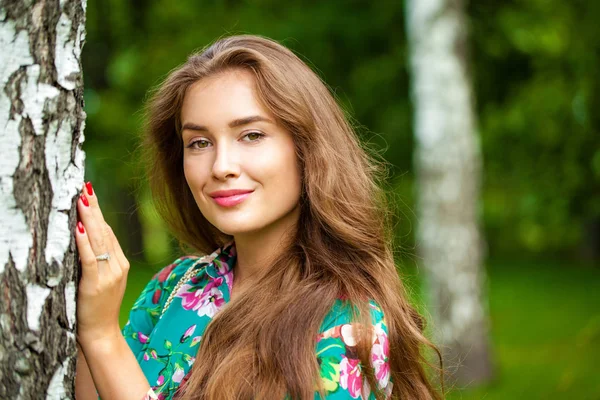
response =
{"points": [[534, 68]]}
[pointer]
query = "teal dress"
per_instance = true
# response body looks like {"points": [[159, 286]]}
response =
{"points": [[168, 320]]}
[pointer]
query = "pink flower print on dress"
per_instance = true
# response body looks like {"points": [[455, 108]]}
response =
{"points": [[178, 375], [204, 302], [213, 283], [232, 250], [182, 385], [221, 265], [164, 274], [189, 298], [195, 341], [142, 338], [211, 303], [380, 353], [156, 296], [229, 280], [350, 376], [188, 333]]}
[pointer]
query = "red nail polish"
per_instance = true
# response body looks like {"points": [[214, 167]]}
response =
{"points": [[84, 200], [80, 227], [89, 188]]}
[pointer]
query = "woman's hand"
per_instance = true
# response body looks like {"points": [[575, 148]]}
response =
{"points": [[103, 282], [106, 358]]}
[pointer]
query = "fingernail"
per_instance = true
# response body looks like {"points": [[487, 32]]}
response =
{"points": [[84, 200], [80, 227], [89, 188]]}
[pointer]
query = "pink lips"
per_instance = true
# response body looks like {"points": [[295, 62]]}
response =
{"points": [[230, 198]]}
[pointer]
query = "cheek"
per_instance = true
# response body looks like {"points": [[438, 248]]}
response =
{"points": [[279, 174], [195, 174]]}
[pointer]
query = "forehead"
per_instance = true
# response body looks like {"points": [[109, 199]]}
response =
{"points": [[221, 98]]}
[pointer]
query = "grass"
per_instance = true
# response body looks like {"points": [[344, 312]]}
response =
{"points": [[545, 330]]}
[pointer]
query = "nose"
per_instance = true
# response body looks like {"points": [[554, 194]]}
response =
{"points": [[226, 163]]}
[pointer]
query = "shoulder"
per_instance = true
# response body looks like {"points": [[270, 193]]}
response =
{"points": [[170, 273], [340, 367], [162, 283]]}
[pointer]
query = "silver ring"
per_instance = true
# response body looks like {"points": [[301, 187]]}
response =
{"points": [[103, 257]]}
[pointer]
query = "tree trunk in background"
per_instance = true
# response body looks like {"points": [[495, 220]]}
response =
{"points": [[448, 162], [41, 173]]}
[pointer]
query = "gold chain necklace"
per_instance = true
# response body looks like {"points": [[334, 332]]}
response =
{"points": [[186, 277]]}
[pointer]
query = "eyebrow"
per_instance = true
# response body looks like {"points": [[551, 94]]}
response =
{"points": [[235, 123]]}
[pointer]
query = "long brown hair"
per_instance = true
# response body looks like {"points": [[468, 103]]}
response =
{"points": [[262, 345]]}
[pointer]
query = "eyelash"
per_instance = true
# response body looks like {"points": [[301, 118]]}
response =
{"points": [[260, 136]]}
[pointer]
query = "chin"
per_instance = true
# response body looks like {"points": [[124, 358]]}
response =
{"points": [[233, 227]]}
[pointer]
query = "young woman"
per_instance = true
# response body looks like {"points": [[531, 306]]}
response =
{"points": [[252, 161]]}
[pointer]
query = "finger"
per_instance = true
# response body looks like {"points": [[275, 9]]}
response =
{"points": [[120, 257], [113, 262], [118, 252], [92, 200], [89, 192], [89, 268], [106, 230], [94, 232]]}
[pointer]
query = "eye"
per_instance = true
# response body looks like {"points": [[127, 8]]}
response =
{"points": [[203, 144], [254, 136]]}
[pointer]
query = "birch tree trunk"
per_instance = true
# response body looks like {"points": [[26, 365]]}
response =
{"points": [[448, 163], [41, 173]]}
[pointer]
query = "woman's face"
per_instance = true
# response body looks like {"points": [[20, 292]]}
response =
{"points": [[231, 142]]}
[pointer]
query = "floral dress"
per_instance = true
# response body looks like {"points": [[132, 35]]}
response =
{"points": [[165, 329]]}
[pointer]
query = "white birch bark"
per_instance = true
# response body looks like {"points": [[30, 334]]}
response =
{"points": [[448, 163], [41, 172]]}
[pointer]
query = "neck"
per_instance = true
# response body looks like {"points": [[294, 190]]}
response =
{"points": [[255, 250]]}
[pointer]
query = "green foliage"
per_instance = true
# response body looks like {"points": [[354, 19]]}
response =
{"points": [[535, 78], [535, 75]]}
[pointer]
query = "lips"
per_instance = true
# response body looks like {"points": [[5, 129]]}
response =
{"points": [[231, 192], [230, 198]]}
